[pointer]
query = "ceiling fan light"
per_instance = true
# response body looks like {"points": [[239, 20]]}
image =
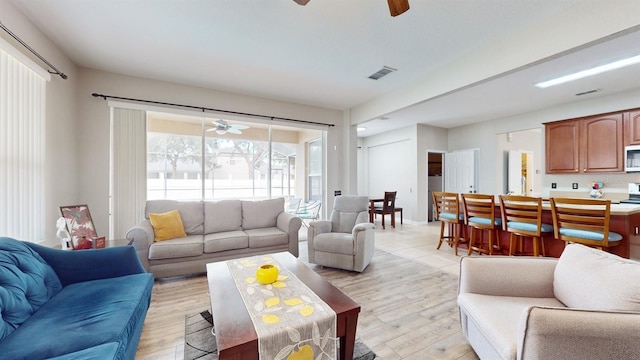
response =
{"points": [[221, 131]]}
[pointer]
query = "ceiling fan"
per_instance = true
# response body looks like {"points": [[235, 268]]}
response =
{"points": [[222, 127], [396, 7]]}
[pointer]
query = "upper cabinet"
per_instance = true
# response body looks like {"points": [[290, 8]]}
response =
{"points": [[561, 147], [632, 127], [587, 145]]}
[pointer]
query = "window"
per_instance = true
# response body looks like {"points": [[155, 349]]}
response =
{"points": [[315, 169], [186, 160], [22, 138]]}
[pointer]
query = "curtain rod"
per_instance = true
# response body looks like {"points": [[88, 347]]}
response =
{"points": [[56, 72], [203, 109]]}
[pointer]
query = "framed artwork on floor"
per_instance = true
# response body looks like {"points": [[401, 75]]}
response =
{"points": [[79, 225]]}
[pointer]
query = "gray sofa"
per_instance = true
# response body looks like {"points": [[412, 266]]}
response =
{"points": [[584, 305], [216, 230]]}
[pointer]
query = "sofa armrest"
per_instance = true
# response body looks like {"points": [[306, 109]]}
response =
{"points": [[320, 227], [563, 333], [507, 276], [362, 227], [290, 224], [85, 265], [142, 235]]}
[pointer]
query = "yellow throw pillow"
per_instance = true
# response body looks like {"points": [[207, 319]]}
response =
{"points": [[167, 225]]}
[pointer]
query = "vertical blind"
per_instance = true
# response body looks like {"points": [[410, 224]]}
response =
{"points": [[128, 169], [22, 155]]}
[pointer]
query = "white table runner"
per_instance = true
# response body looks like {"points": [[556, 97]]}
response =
{"points": [[289, 318]]}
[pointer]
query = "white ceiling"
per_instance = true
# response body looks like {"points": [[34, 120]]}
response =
{"points": [[321, 54]]}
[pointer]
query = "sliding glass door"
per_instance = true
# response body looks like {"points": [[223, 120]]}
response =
{"points": [[192, 157]]}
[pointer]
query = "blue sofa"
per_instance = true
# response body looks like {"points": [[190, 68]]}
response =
{"points": [[57, 304]]}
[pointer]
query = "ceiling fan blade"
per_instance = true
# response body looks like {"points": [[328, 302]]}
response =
{"points": [[301, 2], [233, 130], [220, 123], [397, 7], [239, 127]]}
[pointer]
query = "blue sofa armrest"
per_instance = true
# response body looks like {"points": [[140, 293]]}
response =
{"points": [[85, 265]]}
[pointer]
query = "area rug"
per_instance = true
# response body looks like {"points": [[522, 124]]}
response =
{"points": [[200, 342]]}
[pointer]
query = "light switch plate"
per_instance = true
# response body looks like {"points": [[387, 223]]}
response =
{"points": [[574, 186]]}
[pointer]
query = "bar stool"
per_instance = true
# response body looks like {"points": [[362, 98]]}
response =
{"points": [[480, 215], [448, 212], [584, 221], [522, 218]]}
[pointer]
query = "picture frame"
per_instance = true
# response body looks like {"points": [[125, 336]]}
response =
{"points": [[79, 224]]}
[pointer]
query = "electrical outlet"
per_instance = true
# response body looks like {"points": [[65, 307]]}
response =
{"points": [[554, 185], [574, 186]]}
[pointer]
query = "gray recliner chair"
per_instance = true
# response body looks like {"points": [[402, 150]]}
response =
{"points": [[346, 241]]}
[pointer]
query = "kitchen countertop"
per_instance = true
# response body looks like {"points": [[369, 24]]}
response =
{"points": [[616, 208]]}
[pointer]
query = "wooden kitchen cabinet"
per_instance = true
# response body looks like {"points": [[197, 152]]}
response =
{"points": [[586, 145], [632, 127], [561, 147]]}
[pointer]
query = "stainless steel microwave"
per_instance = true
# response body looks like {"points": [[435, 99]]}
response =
{"points": [[632, 158]]}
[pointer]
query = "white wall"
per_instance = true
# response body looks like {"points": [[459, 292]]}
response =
{"points": [[483, 136], [397, 161], [93, 125], [430, 139], [77, 133]]}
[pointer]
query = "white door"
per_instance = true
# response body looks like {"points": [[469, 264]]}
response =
{"points": [[460, 171]]}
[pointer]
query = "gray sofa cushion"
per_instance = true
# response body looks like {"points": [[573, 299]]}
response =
{"points": [[496, 317], [337, 243], [223, 215], [261, 214], [349, 211], [228, 240], [191, 213], [176, 248], [593, 279], [266, 237]]}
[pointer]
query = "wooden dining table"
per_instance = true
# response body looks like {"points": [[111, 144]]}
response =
{"points": [[372, 205]]}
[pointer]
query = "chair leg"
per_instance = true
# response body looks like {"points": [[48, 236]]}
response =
{"points": [[441, 234], [535, 244], [512, 240], [456, 235], [393, 219], [472, 240], [383, 221]]}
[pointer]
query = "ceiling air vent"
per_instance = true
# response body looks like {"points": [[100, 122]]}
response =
{"points": [[587, 92], [382, 72]]}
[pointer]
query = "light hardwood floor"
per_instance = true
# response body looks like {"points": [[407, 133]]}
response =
{"points": [[403, 337]]}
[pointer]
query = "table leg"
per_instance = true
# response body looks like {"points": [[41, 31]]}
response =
{"points": [[371, 211], [347, 342]]}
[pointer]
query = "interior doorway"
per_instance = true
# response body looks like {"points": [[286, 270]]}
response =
{"points": [[434, 180]]}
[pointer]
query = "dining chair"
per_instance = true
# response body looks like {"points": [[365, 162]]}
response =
{"points": [[584, 221], [480, 216], [522, 218], [449, 213], [294, 205], [310, 211], [388, 207]]}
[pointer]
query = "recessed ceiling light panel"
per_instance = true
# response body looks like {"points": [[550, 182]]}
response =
{"points": [[589, 72]]}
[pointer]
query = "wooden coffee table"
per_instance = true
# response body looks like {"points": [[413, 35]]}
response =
{"points": [[235, 334]]}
